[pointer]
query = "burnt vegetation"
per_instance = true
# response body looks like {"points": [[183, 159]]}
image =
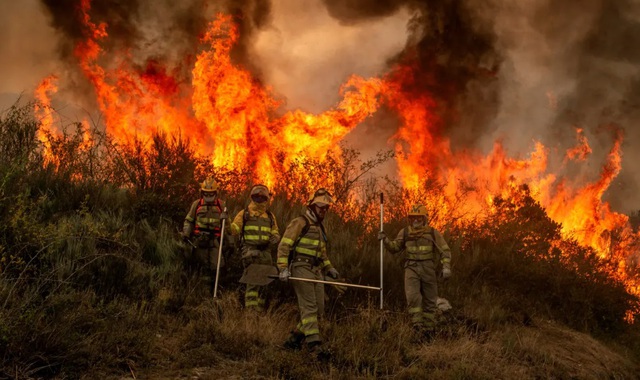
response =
{"points": [[92, 283]]}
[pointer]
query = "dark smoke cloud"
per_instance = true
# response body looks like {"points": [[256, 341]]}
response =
{"points": [[160, 30], [607, 91], [450, 49], [516, 70], [120, 15], [526, 70], [155, 34], [353, 11], [250, 16]]}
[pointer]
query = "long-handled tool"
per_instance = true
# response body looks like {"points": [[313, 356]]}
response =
{"points": [[329, 282], [215, 286], [381, 251]]}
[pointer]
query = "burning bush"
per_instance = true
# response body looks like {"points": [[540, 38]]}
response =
{"points": [[519, 253], [90, 263]]}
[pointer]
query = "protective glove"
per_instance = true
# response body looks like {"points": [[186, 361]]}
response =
{"points": [[185, 238], [446, 273], [224, 215], [284, 275], [382, 235], [333, 273], [274, 239]]}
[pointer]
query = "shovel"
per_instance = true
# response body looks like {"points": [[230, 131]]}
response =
{"points": [[336, 283], [258, 274]]}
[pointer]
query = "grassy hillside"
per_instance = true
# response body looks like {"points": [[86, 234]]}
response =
{"points": [[92, 283]]}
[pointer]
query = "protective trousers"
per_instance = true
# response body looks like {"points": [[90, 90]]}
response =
{"points": [[421, 290], [208, 257], [310, 300], [254, 295], [205, 261]]}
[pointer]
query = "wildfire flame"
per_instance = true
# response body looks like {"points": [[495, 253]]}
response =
{"points": [[580, 210], [581, 151], [43, 111], [234, 119]]}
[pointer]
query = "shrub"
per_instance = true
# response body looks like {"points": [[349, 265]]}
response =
{"points": [[91, 275]]}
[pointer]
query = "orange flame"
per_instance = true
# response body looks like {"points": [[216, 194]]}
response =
{"points": [[239, 112], [238, 122], [234, 116], [581, 151], [135, 102], [580, 210], [44, 112]]}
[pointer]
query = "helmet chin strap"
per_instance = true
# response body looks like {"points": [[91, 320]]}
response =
{"points": [[209, 199]]}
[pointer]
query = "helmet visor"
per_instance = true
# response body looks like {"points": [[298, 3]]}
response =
{"points": [[416, 218], [259, 198]]}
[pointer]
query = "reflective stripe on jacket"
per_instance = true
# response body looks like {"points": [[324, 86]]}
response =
{"points": [[311, 245], [421, 245], [257, 230], [204, 217]]}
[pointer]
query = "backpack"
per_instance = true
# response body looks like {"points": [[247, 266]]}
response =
{"points": [[245, 218], [434, 247], [304, 231], [202, 204]]}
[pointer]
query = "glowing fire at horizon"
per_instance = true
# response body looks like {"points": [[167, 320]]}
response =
{"points": [[232, 118]]}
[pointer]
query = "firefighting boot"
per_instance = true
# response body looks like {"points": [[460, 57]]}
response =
{"points": [[294, 341], [321, 353], [428, 335], [422, 334]]}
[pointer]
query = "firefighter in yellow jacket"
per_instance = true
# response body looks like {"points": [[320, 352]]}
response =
{"points": [[202, 227], [306, 240], [424, 247], [258, 231]]}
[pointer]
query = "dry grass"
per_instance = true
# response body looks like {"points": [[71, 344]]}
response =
{"points": [[218, 339], [92, 283], [550, 351]]}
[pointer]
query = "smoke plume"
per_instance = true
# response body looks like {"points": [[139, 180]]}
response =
{"points": [[524, 71], [497, 69], [150, 32]]}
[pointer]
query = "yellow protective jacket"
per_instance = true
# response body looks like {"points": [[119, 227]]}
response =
{"points": [[421, 244], [310, 245], [260, 224]]}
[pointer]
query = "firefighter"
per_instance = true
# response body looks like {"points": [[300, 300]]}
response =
{"points": [[422, 244], [258, 232], [202, 228], [303, 253]]}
